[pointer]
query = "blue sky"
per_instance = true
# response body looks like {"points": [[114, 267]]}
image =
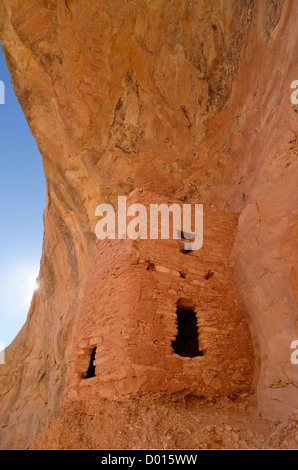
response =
{"points": [[22, 202]]}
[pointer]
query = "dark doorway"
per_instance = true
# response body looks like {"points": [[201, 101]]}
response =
{"points": [[91, 369], [186, 343]]}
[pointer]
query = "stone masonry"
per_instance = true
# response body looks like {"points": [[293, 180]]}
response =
{"points": [[128, 319]]}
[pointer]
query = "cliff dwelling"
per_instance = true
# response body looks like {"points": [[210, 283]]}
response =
{"points": [[158, 319]]}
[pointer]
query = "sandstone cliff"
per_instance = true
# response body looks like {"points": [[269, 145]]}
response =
{"points": [[191, 100]]}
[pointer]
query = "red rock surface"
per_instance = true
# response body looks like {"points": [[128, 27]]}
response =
{"points": [[190, 100]]}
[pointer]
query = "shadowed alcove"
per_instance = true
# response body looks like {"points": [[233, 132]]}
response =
{"points": [[186, 343], [91, 369]]}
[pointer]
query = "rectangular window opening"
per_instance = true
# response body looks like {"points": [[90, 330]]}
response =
{"points": [[91, 369], [186, 343]]}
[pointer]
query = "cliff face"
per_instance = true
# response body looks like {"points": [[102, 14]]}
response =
{"points": [[192, 101]]}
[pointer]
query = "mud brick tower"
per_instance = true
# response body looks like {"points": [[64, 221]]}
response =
{"points": [[158, 319]]}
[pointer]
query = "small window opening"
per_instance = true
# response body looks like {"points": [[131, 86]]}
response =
{"points": [[186, 343], [187, 237], [91, 369], [208, 275]]}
